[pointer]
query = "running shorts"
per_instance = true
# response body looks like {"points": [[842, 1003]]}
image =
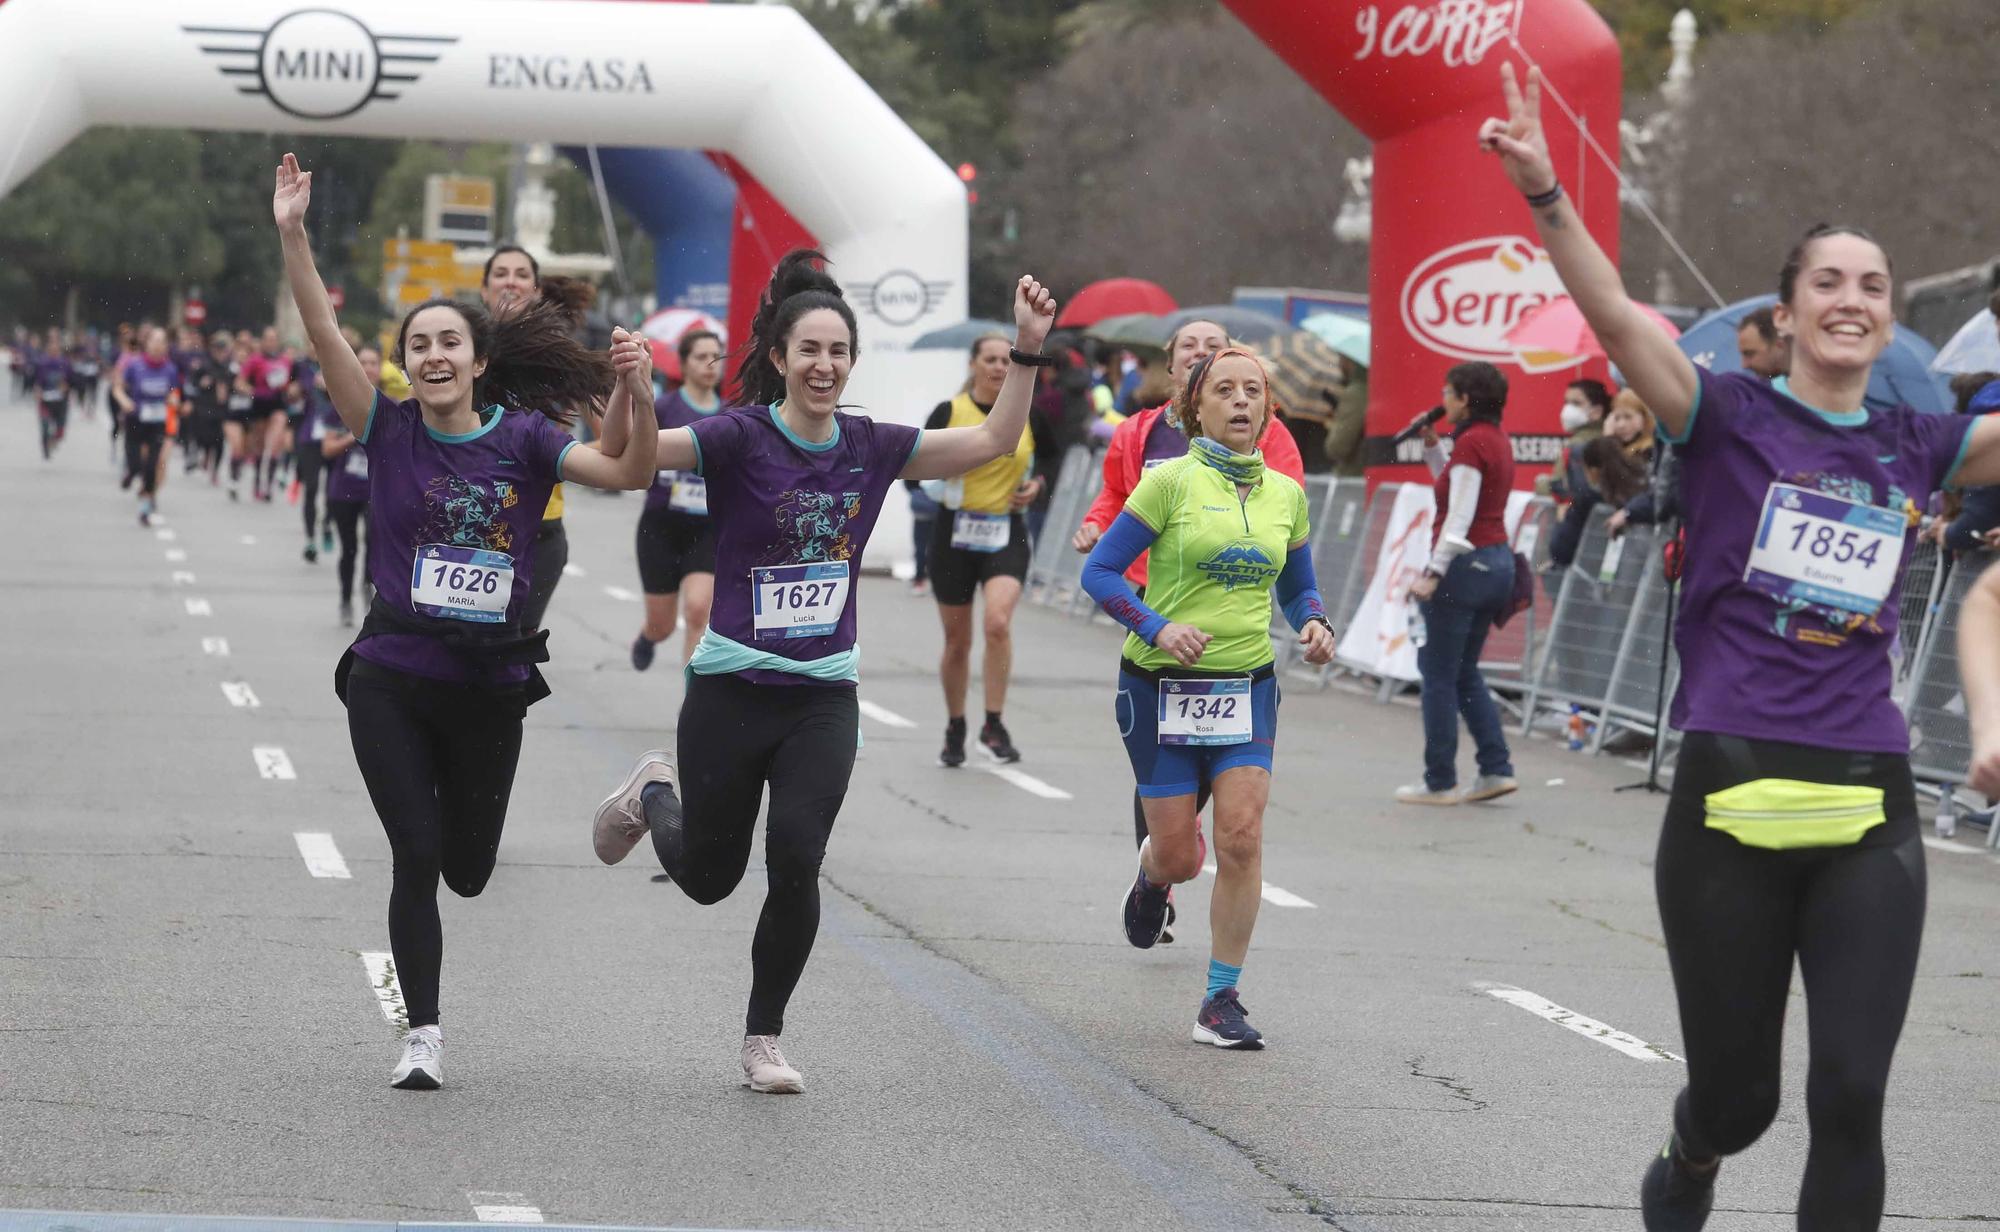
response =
{"points": [[671, 546], [1179, 769], [956, 573]]}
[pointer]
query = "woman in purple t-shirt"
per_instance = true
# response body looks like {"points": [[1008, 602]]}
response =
{"points": [[442, 671], [794, 485], [1792, 831], [676, 538]]}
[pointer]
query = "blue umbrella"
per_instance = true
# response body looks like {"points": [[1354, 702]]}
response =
{"points": [[1902, 376]]}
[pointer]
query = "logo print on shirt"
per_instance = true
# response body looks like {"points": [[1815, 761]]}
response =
{"points": [[812, 526], [505, 492], [460, 513], [1239, 564]]}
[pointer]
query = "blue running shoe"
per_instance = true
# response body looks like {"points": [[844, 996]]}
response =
{"points": [[1221, 1022], [1144, 911], [1674, 1197]]}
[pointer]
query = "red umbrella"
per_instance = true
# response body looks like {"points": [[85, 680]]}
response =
{"points": [[1114, 297], [1554, 335]]}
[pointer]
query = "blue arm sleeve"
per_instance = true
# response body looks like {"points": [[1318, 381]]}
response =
{"points": [[1298, 589], [1104, 576]]}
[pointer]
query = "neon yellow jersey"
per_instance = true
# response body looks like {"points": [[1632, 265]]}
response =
{"points": [[1216, 560], [989, 488]]}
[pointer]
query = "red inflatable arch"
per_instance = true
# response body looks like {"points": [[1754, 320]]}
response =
{"points": [[1454, 262]]}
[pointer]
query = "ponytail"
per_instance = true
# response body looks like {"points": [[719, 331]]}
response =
{"points": [[799, 285]]}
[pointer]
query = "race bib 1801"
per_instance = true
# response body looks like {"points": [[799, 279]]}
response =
{"points": [[798, 600], [1825, 551], [1204, 711], [980, 532], [462, 583]]}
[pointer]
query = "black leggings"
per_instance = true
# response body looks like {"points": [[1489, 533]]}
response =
{"points": [[308, 469], [348, 518], [734, 738], [551, 554], [144, 443], [439, 761], [1736, 915]]}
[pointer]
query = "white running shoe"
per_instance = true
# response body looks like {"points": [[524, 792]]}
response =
{"points": [[1492, 787], [765, 1069], [422, 1066], [1420, 794], [621, 820]]}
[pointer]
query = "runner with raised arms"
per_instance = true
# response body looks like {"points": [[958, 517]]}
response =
{"points": [[795, 486], [442, 671], [1801, 504], [676, 540]]}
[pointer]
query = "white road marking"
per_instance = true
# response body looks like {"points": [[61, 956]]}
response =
{"points": [[1589, 1028], [885, 716], [1026, 782], [240, 694], [503, 1207], [1277, 896], [272, 762], [574, 571], [183, 578], [166, 536], [217, 646], [321, 856], [248, 540], [176, 555], [621, 594], [381, 969], [199, 607]]}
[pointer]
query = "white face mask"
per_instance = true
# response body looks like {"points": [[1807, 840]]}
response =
{"points": [[1574, 417]]}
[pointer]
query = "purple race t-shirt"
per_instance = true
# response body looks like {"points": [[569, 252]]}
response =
{"points": [[1798, 524], [467, 508], [52, 372], [346, 475], [1164, 443], [149, 385], [791, 520], [675, 411]]}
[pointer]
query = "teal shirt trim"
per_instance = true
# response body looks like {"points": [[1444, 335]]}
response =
{"points": [[1839, 419], [562, 457], [368, 425], [696, 438], [1964, 447], [801, 441], [460, 438], [716, 655], [1687, 429], [914, 446]]}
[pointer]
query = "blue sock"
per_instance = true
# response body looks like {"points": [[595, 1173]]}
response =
{"points": [[1221, 975]]}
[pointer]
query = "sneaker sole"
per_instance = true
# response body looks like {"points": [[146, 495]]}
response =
{"points": [[1005, 761], [1450, 803], [1202, 1035], [602, 823], [1128, 936], [418, 1080], [787, 1087], [1494, 793]]}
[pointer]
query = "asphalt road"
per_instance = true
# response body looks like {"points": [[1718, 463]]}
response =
{"points": [[188, 1026]]}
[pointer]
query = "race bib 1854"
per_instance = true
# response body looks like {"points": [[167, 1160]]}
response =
{"points": [[1815, 548]]}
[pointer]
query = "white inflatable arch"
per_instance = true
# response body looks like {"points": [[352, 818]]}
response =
{"points": [[755, 81]]}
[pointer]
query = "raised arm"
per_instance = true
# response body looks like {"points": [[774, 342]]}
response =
{"points": [[953, 451], [674, 448], [1652, 365], [348, 386], [632, 467]]}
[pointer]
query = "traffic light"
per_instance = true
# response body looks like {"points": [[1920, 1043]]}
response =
{"points": [[969, 174]]}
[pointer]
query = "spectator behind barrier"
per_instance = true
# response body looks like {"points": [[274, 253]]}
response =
{"points": [[1632, 422], [1972, 517], [1585, 405], [1763, 350]]}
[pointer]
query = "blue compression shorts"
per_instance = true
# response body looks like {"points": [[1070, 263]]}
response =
{"points": [[1179, 769]]}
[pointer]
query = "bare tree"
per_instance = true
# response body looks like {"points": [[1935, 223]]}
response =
{"points": [[1185, 152], [1887, 121]]}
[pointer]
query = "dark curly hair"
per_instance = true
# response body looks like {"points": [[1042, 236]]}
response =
{"points": [[799, 285], [533, 362]]}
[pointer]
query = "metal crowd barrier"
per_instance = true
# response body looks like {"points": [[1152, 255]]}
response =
{"points": [[1055, 568]]}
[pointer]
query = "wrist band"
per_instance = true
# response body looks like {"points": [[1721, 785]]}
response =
{"points": [[1027, 360], [1542, 200], [1322, 620]]}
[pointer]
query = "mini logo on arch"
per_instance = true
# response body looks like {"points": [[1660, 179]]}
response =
{"points": [[899, 297], [319, 64], [1463, 300]]}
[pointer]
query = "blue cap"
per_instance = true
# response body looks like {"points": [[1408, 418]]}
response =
{"points": [[1986, 401]]}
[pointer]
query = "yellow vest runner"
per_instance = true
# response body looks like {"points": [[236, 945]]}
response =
{"points": [[988, 488]]}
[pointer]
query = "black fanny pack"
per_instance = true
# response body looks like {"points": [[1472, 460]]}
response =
{"points": [[484, 650]]}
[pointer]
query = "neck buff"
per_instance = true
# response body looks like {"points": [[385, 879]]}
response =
{"points": [[1245, 469]]}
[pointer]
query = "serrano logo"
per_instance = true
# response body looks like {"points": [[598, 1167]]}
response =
{"points": [[318, 64], [1464, 299]]}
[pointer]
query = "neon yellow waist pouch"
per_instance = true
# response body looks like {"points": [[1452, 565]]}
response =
{"points": [[1783, 814]]}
